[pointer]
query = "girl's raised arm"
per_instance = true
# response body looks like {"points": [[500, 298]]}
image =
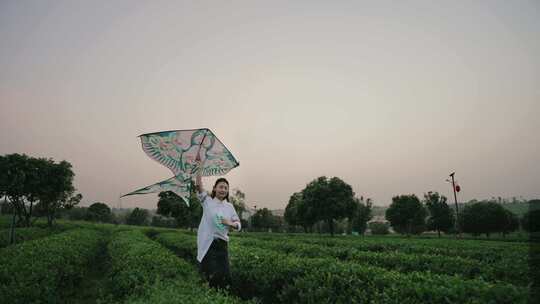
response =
{"points": [[198, 176], [198, 183]]}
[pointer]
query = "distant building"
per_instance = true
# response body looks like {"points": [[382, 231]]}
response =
{"points": [[278, 212], [248, 213], [378, 218], [251, 211]]}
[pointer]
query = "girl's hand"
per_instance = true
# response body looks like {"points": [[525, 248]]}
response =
{"points": [[229, 223]]}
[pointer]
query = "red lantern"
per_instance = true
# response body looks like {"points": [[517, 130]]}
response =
{"points": [[458, 188]]}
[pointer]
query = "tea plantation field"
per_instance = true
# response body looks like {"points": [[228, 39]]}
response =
{"points": [[79, 262]]}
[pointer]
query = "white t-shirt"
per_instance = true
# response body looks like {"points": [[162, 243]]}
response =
{"points": [[209, 228]]}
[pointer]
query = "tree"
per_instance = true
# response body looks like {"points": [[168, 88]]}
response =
{"points": [[36, 185], [305, 215], [263, 219], [161, 221], [292, 214], [238, 199], [327, 200], [98, 212], [483, 217], [56, 188], [510, 224], [379, 228], [6, 208], [407, 215], [138, 217], [530, 221], [361, 215], [441, 217], [170, 204], [18, 184], [76, 213]]}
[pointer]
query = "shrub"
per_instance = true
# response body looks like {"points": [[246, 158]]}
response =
{"points": [[37, 271], [379, 228]]}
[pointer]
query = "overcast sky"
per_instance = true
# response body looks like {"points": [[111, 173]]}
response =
{"points": [[390, 96]]}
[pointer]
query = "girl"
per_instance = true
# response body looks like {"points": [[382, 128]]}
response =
{"points": [[212, 236]]}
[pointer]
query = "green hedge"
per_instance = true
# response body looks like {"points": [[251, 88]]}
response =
{"points": [[5, 221], [137, 261], [500, 261], [26, 234], [278, 278], [343, 282], [38, 271], [350, 283], [183, 245], [504, 270], [188, 292], [143, 271], [486, 251]]}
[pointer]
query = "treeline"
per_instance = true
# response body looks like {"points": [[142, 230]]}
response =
{"points": [[409, 215], [32, 187], [102, 213], [326, 203], [36, 187], [329, 205], [40, 187]]}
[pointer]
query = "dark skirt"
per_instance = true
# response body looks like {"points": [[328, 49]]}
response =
{"points": [[215, 265]]}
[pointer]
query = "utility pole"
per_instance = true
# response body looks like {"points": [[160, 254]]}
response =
{"points": [[455, 200]]}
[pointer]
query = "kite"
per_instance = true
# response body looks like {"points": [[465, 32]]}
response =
{"points": [[178, 151]]}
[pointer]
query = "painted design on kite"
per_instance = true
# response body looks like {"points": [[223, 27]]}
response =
{"points": [[178, 150]]}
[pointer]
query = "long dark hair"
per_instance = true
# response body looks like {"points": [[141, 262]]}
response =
{"points": [[219, 180]]}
